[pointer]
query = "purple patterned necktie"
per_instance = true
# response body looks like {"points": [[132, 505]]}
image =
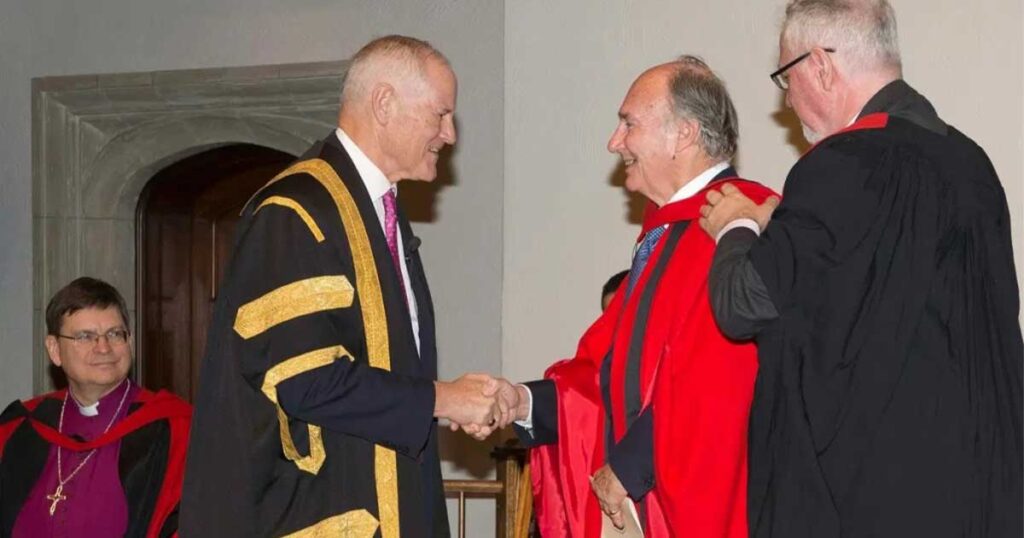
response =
{"points": [[391, 235]]}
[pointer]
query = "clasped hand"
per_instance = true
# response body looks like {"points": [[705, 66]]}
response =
{"points": [[479, 404]]}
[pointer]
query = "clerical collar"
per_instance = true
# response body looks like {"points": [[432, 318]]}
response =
{"points": [[698, 183], [377, 184], [94, 409], [88, 410]]}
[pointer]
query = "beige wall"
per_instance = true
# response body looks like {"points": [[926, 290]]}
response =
{"points": [[568, 65]]}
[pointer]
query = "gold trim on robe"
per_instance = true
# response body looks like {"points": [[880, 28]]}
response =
{"points": [[290, 203], [353, 524], [375, 323], [291, 301], [286, 370]]}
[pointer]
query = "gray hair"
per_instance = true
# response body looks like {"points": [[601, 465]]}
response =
{"points": [[394, 56], [862, 31], [698, 94]]}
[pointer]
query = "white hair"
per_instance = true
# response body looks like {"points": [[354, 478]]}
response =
{"points": [[394, 58], [863, 32]]}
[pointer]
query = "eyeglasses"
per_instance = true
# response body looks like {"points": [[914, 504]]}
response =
{"points": [[781, 79], [115, 337]]}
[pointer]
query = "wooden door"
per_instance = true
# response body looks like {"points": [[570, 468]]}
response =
{"points": [[185, 231]]}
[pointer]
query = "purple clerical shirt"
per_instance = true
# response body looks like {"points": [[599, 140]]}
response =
{"points": [[95, 504]]}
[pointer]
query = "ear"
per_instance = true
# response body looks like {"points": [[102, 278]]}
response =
{"points": [[687, 133], [53, 350], [383, 102], [824, 68]]}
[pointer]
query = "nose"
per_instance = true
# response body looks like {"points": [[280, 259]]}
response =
{"points": [[615, 142], [102, 344], [788, 104], [448, 130]]}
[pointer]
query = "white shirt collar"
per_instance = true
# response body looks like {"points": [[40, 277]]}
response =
{"points": [[698, 183], [376, 182]]}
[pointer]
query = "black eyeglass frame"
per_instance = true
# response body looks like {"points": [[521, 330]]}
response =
{"points": [[113, 336], [777, 75]]}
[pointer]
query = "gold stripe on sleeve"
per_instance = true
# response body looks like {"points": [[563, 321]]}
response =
{"points": [[286, 370], [291, 301], [353, 524], [297, 207], [375, 323]]}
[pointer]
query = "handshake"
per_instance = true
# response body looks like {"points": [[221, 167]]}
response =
{"points": [[480, 403]]}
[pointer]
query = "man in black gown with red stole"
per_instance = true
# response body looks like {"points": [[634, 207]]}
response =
{"points": [[883, 297], [104, 457]]}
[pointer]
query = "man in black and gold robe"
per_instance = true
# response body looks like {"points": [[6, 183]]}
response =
{"points": [[317, 397]]}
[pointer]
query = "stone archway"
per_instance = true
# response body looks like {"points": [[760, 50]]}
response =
{"points": [[98, 139]]}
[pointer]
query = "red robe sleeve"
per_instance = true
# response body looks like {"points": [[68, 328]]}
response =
{"points": [[560, 472]]}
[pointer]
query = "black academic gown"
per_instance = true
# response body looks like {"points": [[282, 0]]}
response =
{"points": [[885, 303], [315, 411]]}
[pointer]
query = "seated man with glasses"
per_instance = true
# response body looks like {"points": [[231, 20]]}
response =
{"points": [[103, 458]]}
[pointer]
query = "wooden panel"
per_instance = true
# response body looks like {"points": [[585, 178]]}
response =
{"points": [[187, 216]]}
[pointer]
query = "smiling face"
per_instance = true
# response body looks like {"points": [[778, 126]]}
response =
{"points": [[423, 123], [645, 137], [91, 369]]}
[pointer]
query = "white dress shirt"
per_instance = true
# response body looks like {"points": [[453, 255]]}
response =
{"points": [[691, 188], [377, 185]]}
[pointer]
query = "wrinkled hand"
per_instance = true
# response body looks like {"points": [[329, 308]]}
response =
{"points": [[468, 401], [610, 493], [731, 204]]}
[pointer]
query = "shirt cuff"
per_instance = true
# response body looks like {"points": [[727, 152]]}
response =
{"points": [[750, 224], [527, 423]]}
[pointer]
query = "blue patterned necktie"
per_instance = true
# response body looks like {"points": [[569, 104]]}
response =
{"points": [[643, 253]]}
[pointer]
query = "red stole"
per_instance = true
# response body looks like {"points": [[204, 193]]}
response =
{"points": [[155, 406]]}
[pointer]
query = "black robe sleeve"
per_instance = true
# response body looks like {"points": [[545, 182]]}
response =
{"points": [[739, 299], [892, 377], [544, 415], [632, 458]]}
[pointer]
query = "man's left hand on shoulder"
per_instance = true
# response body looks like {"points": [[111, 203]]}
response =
{"points": [[729, 204]]}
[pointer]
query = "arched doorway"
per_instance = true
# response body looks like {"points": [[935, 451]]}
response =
{"points": [[185, 224]]}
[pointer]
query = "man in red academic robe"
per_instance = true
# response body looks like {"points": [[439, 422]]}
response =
{"points": [[103, 458], [654, 405]]}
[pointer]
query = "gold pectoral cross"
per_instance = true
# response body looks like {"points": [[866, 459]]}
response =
{"points": [[56, 497]]}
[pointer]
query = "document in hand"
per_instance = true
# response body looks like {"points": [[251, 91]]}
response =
{"points": [[632, 528]]}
